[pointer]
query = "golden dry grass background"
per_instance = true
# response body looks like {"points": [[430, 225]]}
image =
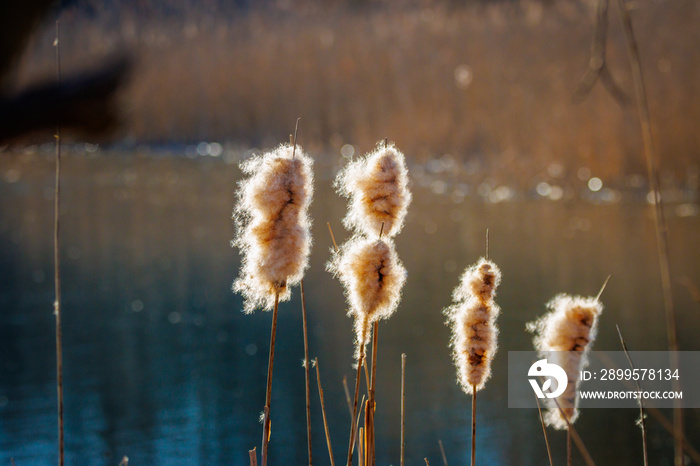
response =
{"points": [[491, 82]]}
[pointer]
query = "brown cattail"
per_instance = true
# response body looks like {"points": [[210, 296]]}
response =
{"points": [[567, 330], [377, 186], [373, 277], [473, 320], [273, 225]]}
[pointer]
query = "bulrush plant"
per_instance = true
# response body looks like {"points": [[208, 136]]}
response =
{"points": [[474, 331], [565, 335], [367, 265], [273, 238]]}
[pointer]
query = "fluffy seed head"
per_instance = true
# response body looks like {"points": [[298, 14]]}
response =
{"points": [[377, 186], [473, 320], [273, 225], [373, 277], [567, 330]]}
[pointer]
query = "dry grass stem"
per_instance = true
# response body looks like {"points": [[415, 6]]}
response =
{"points": [[565, 335], [253, 457], [377, 186], [323, 412], [273, 225], [642, 417], [574, 435]]}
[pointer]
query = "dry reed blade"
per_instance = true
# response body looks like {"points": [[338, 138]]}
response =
{"points": [[544, 431], [442, 452], [660, 224], [361, 452], [253, 457], [323, 412], [403, 406], [642, 421], [268, 395], [57, 269], [427, 463], [306, 361]]}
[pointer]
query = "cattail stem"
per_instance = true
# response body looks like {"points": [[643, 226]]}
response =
{"points": [[544, 431], [568, 446], [372, 388], [351, 447], [57, 270], [403, 406], [268, 396], [473, 425], [323, 411], [306, 365], [253, 457]]}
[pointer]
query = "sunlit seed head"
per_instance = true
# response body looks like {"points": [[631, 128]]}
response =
{"points": [[473, 320], [565, 334], [273, 225], [377, 186], [373, 277]]}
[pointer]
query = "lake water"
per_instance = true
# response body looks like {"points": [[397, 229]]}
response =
{"points": [[162, 366]]}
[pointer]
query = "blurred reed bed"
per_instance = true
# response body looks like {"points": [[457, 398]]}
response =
{"points": [[427, 73]]}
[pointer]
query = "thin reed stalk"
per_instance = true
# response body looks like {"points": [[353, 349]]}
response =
{"points": [[253, 457], [473, 425], [57, 269], [659, 219], [306, 367], [403, 406], [642, 418], [442, 452], [323, 412], [347, 396], [268, 396], [568, 446], [544, 431]]}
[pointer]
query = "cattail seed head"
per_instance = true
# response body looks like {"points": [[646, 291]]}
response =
{"points": [[565, 335], [473, 320], [377, 186], [373, 277], [273, 225]]}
